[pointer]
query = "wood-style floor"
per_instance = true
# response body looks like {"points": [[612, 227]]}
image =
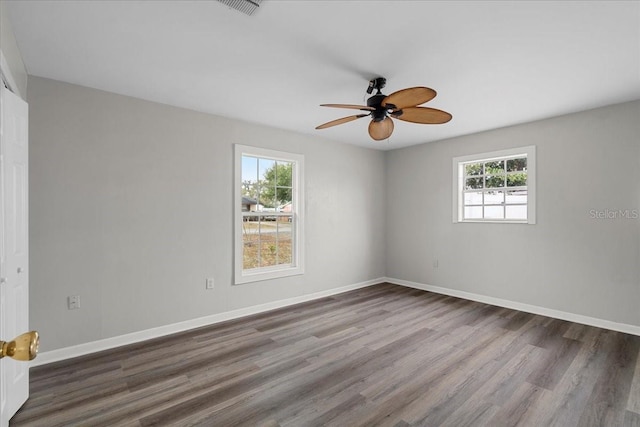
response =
{"points": [[383, 355]]}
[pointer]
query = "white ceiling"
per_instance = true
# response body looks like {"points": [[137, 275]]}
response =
{"points": [[493, 63]]}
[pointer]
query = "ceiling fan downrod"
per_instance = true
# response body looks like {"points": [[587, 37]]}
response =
{"points": [[377, 83]]}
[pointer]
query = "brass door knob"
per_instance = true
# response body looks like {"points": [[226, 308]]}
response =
{"points": [[23, 347]]}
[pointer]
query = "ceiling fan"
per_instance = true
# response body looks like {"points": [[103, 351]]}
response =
{"points": [[401, 105]]}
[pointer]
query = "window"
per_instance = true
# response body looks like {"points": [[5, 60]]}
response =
{"points": [[495, 187], [268, 214]]}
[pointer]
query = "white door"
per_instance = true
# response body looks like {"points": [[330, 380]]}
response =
{"points": [[14, 250]]}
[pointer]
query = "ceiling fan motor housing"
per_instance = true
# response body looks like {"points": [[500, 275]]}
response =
{"points": [[380, 113]]}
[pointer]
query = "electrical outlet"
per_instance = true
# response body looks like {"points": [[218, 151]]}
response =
{"points": [[435, 263], [210, 283], [73, 302]]}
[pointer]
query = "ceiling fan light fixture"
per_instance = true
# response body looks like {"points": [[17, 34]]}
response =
{"points": [[380, 130]]}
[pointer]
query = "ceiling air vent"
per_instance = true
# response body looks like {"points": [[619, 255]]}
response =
{"points": [[245, 6]]}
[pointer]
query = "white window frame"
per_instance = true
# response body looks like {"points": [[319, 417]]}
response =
{"points": [[458, 182], [297, 233]]}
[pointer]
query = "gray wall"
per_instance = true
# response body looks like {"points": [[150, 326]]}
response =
{"points": [[568, 261], [131, 208], [11, 52]]}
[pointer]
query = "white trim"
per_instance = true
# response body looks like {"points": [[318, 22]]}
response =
{"points": [[456, 200], [135, 337], [6, 74], [297, 196], [534, 309]]}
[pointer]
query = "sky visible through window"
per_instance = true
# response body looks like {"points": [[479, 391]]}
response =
{"points": [[250, 171]]}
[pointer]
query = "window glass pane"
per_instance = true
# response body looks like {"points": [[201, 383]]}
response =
{"points": [[494, 212], [249, 184], [249, 197], [517, 164], [492, 168], [474, 212], [283, 174], [251, 242], [517, 179], [249, 169], [473, 169], [474, 198], [473, 183], [284, 240], [495, 181], [266, 182], [250, 257], [283, 199], [286, 208], [268, 241], [516, 212], [493, 197], [519, 196], [250, 201]]}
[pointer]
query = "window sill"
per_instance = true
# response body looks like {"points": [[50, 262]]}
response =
{"points": [[257, 276], [507, 221]]}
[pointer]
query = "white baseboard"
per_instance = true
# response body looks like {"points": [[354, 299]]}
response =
{"points": [[534, 309], [134, 337]]}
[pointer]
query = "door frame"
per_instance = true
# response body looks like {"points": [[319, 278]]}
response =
{"points": [[7, 79]]}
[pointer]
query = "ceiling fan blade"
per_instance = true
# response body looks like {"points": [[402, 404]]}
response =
{"points": [[350, 106], [341, 121], [424, 115], [409, 97], [381, 130]]}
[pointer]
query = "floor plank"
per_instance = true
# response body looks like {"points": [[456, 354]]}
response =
{"points": [[379, 356], [633, 404]]}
